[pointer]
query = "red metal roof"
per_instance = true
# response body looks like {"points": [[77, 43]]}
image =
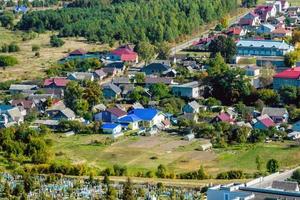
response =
{"points": [[267, 121], [27, 104], [58, 81], [292, 73], [126, 54], [225, 117], [117, 112]]}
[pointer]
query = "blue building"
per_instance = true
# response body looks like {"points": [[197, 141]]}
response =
{"points": [[228, 192], [111, 128], [289, 77], [188, 90], [262, 48]]}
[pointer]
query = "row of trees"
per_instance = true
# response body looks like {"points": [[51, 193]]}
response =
{"points": [[143, 20]]}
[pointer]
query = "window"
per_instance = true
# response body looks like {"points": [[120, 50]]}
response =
{"points": [[226, 196]]}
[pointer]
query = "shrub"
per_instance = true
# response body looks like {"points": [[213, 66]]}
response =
{"points": [[232, 174], [56, 41], [35, 47], [6, 61], [272, 166]]}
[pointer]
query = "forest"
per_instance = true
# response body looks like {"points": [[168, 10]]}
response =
{"points": [[128, 21]]}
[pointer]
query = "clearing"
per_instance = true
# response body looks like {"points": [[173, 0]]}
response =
{"points": [[146, 153], [31, 66]]}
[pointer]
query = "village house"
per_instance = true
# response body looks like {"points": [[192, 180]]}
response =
{"points": [[99, 74], [284, 5], [111, 128], [149, 117], [191, 107], [236, 31], [263, 122], [110, 115], [154, 80], [295, 135], [289, 77], [130, 121], [22, 88], [59, 111], [111, 91], [293, 11], [118, 81], [81, 76], [119, 66], [265, 12], [224, 117], [281, 33], [124, 54], [157, 67], [188, 90], [110, 71], [278, 115], [251, 19], [253, 73], [10, 115], [56, 82], [265, 29], [228, 192], [24, 104], [263, 48]]}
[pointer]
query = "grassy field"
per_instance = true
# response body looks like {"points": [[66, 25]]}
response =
{"points": [[30, 66], [146, 153]]}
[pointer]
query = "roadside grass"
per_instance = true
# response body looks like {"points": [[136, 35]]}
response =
{"points": [[31, 66], [142, 154], [243, 157]]}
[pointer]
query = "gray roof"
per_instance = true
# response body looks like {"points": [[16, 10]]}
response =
{"points": [[285, 185], [137, 105], [282, 45], [82, 75], [68, 113], [153, 80], [274, 111], [164, 62], [48, 122], [100, 73], [193, 84], [22, 87], [195, 105], [121, 80], [113, 87]]}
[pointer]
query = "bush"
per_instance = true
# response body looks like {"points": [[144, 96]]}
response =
{"points": [[56, 41], [272, 166], [6, 61], [13, 47], [35, 47], [232, 174]]}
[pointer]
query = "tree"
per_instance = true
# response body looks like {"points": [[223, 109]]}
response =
{"points": [[106, 180], [291, 58], [224, 45], [201, 173], [249, 3], [161, 171], [139, 94], [111, 193], [229, 85], [272, 166], [145, 50], [224, 21], [296, 36], [28, 183], [289, 94], [139, 78], [92, 93], [268, 96], [73, 92], [128, 191], [7, 19], [159, 90], [56, 41], [163, 50], [296, 175], [266, 75], [258, 161], [7, 189]]}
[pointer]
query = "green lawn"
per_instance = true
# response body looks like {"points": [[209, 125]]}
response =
{"points": [[146, 153]]}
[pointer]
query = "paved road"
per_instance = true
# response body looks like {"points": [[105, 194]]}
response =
{"points": [[267, 181], [182, 46]]}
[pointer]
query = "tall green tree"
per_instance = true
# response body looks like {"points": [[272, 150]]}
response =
{"points": [[272, 166], [128, 191], [224, 45]]}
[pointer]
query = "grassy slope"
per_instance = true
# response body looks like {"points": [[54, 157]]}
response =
{"points": [[31, 67], [178, 155]]}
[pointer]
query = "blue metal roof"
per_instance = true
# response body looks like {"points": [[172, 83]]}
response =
{"points": [[264, 43], [4, 108], [109, 126], [145, 114], [130, 118]]}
